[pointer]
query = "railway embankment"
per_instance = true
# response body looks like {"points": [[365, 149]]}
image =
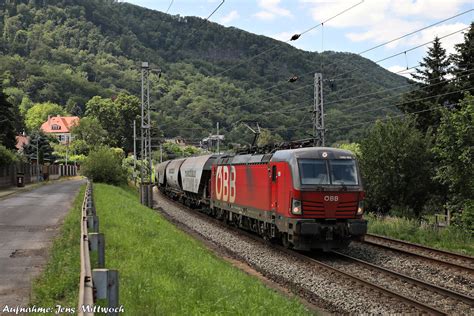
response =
{"points": [[162, 269]]}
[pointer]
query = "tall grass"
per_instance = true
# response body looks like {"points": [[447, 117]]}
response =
{"points": [[449, 238], [163, 271]]}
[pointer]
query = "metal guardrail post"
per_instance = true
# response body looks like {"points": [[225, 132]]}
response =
{"points": [[93, 223], [106, 284], [97, 243], [104, 281]]}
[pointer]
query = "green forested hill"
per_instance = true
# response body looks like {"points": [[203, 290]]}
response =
{"points": [[67, 51]]}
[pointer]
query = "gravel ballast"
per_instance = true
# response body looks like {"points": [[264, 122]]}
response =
{"points": [[329, 291]]}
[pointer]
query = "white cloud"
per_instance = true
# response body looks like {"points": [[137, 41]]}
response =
{"points": [[271, 10], [233, 15], [440, 31]]}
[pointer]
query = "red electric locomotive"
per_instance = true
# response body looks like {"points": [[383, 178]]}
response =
{"points": [[309, 198]]}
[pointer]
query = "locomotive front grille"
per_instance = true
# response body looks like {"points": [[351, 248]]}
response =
{"points": [[315, 209], [347, 208]]}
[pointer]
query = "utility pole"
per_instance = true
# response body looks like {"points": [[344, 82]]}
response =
{"points": [[67, 152], [37, 158], [146, 188], [218, 140], [318, 112], [161, 153], [134, 146]]}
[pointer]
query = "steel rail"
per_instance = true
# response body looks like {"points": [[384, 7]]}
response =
{"points": [[86, 297], [401, 298], [423, 256], [432, 287]]}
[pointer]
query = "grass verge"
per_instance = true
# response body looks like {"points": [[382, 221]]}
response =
{"points": [[59, 282], [450, 238], [163, 271]]}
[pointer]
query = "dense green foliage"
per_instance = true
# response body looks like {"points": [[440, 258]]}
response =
{"points": [[7, 157], [104, 165], [433, 90], [173, 273], [40, 147], [68, 51], [39, 113], [58, 282], [403, 179], [88, 134], [454, 149], [463, 61], [7, 122], [116, 117]]}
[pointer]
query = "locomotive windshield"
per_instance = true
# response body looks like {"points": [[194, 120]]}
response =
{"points": [[324, 172]]}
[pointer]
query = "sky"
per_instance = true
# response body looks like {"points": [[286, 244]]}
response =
{"points": [[368, 24]]}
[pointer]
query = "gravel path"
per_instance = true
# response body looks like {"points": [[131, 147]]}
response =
{"points": [[415, 267], [331, 292]]}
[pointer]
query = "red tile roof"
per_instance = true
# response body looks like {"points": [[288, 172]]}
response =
{"points": [[61, 124]]}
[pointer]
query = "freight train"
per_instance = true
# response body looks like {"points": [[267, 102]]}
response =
{"points": [[307, 198]]}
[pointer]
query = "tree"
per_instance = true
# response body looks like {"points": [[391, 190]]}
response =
{"points": [[104, 164], [463, 61], [91, 132], [38, 114], [454, 150], [7, 157], [396, 164], [267, 138], [7, 122], [431, 90], [116, 116], [40, 147]]}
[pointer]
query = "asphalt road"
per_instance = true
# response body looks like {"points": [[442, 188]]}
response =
{"points": [[28, 223]]}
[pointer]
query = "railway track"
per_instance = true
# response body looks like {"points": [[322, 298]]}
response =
{"points": [[412, 295], [440, 298], [448, 259]]}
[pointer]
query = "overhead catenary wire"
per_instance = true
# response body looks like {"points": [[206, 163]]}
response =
{"points": [[171, 3], [294, 37], [401, 103], [375, 47], [297, 109]]}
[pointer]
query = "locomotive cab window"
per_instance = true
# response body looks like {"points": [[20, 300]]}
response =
{"points": [[343, 172], [313, 171]]}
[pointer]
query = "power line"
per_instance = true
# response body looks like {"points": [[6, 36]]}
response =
{"points": [[372, 48], [414, 32], [171, 3], [390, 117], [215, 10], [293, 38], [377, 92]]}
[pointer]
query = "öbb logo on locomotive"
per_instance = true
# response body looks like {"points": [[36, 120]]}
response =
{"points": [[225, 184], [306, 198], [331, 198]]}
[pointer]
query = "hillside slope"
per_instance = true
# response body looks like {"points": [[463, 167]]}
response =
{"points": [[67, 51]]}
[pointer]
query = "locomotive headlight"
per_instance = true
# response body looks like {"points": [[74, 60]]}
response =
{"points": [[360, 208], [296, 207]]}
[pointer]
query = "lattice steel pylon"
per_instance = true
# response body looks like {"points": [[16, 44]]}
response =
{"points": [[146, 165], [318, 112]]}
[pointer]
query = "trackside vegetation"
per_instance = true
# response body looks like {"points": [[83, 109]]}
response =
{"points": [[164, 271], [450, 238], [59, 282]]}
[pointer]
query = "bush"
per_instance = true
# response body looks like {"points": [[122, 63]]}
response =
{"points": [[104, 165], [7, 157]]}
